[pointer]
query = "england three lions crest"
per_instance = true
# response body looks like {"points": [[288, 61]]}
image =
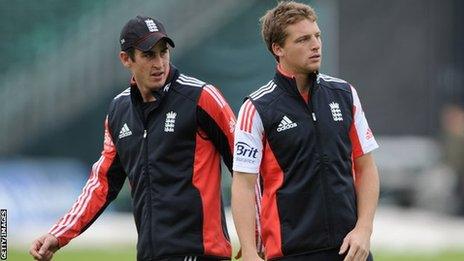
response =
{"points": [[336, 112], [170, 122]]}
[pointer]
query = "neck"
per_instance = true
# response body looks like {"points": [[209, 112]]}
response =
{"points": [[302, 79], [302, 82], [147, 95]]}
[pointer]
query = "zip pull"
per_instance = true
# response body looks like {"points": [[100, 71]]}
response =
{"points": [[314, 116], [144, 134]]}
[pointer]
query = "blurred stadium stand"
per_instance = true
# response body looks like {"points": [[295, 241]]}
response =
{"points": [[76, 65], [60, 65], [406, 58], [59, 70]]}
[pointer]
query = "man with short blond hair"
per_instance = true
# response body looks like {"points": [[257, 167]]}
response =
{"points": [[307, 137]]}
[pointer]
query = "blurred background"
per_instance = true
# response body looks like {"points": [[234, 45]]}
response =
{"points": [[59, 70]]}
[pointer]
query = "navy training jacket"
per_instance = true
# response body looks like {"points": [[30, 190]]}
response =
{"points": [[308, 194], [172, 158]]}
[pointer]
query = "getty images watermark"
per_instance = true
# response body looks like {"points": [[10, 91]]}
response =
{"points": [[3, 234]]}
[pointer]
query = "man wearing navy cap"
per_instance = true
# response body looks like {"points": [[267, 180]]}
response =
{"points": [[166, 133]]}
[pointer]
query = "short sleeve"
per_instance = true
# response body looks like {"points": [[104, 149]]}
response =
{"points": [[361, 136], [248, 140]]}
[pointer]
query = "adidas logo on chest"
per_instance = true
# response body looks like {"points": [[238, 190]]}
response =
{"points": [[125, 131], [286, 124]]}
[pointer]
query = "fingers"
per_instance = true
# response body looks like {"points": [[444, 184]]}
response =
{"points": [[361, 254], [45, 247], [356, 251], [361, 251], [48, 248], [34, 250], [35, 255], [344, 246], [351, 254], [48, 256]]}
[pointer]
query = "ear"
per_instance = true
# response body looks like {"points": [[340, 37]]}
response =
{"points": [[277, 50], [125, 59]]}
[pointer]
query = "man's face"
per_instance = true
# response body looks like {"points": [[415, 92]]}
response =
{"points": [[151, 68], [301, 51]]}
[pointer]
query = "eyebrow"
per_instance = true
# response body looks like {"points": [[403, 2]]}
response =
{"points": [[308, 35], [148, 52], [303, 37]]}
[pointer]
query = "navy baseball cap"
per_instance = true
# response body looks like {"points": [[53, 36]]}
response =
{"points": [[143, 33]]}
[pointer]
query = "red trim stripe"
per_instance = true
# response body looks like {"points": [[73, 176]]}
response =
{"points": [[222, 115], [273, 178], [92, 199], [207, 172], [82, 200], [216, 94], [258, 196], [250, 120], [85, 191], [207, 179], [247, 117], [246, 122], [353, 172], [244, 115], [355, 142]]}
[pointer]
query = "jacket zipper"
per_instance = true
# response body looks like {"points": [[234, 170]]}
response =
{"points": [[146, 166], [323, 159]]}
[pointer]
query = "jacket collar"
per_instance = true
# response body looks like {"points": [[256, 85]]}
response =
{"points": [[159, 94], [287, 82]]}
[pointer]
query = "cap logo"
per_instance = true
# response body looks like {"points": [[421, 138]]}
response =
{"points": [[151, 25], [123, 41]]}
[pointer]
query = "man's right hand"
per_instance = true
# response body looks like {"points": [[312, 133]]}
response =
{"points": [[44, 247]]}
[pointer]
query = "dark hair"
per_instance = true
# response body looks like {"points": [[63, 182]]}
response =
{"points": [[131, 53]]}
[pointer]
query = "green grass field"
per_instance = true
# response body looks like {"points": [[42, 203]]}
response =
{"points": [[129, 255]]}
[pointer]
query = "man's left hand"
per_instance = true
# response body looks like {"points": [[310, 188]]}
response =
{"points": [[357, 242]]}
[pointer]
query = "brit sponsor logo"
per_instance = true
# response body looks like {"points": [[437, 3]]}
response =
{"points": [[243, 149], [286, 124], [245, 152], [336, 112], [170, 122], [125, 131], [3, 235]]}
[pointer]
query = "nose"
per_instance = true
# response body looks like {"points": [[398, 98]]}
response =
{"points": [[157, 61], [315, 44]]}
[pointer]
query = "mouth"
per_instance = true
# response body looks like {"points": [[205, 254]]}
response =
{"points": [[157, 74], [315, 56]]}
